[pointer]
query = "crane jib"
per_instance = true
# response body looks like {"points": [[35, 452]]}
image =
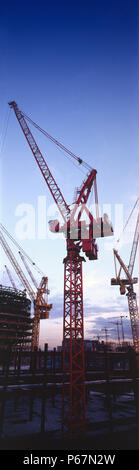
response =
{"points": [[54, 189]]}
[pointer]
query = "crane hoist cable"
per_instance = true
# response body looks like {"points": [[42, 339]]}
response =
{"points": [[4, 131], [21, 249], [59, 144], [10, 277], [16, 266], [134, 244], [128, 219], [73, 163]]}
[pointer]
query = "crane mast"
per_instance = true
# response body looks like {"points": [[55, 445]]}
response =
{"points": [[134, 316], [73, 325], [134, 248], [41, 310], [41, 306]]}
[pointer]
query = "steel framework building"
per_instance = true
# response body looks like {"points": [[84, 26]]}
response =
{"points": [[15, 319]]}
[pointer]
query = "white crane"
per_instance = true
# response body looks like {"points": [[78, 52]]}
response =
{"points": [[127, 284]]}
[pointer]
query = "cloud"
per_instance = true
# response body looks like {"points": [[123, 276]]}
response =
{"points": [[97, 309], [97, 316], [90, 309], [96, 326], [57, 309]]}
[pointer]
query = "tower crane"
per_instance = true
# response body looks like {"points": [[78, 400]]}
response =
{"points": [[79, 236], [16, 265], [127, 284], [41, 306]]}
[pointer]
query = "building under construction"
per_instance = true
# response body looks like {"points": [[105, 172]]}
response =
{"points": [[15, 319], [80, 228]]}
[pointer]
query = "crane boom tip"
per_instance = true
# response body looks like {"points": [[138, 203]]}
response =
{"points": [[11, 103]]}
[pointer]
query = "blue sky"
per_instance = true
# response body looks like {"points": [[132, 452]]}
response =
{"points": [[73, 68]]}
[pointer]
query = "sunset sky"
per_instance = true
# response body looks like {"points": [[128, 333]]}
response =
{"points": [[73, 67]]}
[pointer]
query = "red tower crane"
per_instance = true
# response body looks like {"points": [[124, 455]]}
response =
{"points": [[79, 235]]}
